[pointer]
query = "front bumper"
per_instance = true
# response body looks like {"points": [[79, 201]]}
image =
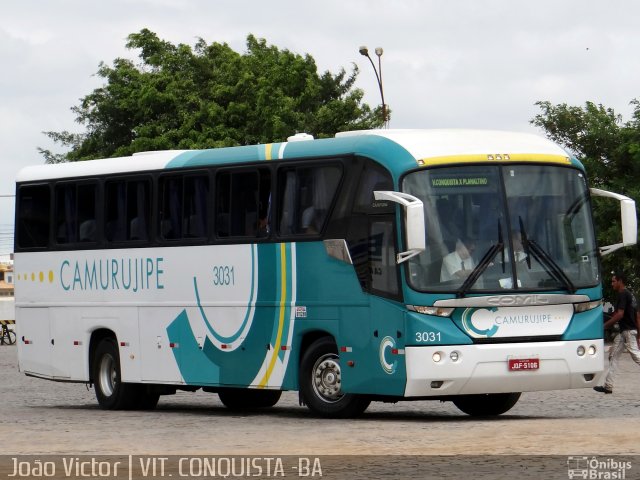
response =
{"points": [[484, 368]]}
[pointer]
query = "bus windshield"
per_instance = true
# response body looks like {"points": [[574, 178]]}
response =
{"points": [[501, 228]]}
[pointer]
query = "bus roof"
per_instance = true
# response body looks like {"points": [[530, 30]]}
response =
{"points": [[398, 150]]}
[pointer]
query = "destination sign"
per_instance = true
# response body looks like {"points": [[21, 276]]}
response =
{"points": [[459, 182]]}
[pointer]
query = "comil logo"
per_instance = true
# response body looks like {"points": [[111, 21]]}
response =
{"points": [[598, 468], [517, 300]]}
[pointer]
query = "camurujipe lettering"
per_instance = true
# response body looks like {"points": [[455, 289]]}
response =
{"points": [[132, 274], [525, 318]]}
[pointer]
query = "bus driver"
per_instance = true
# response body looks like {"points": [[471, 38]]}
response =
{"points": [[458, 264]]}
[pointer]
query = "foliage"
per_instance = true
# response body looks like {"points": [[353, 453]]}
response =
{"points": [[179, 97], [610, 151]]}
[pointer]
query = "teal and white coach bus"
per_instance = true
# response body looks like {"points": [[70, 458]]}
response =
{"points": [[323, 266]]}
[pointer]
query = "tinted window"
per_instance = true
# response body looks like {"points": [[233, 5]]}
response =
{"points": [[373, 178], [306, 195], [243, 203], [183, 206], [75, 213], [33, 216], [127, 210]]}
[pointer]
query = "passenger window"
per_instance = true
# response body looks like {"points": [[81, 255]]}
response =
{"points": [[75, 213], [183, 206], [306, 195], [127, 210], [243, 203], [373, 178], [33, 216]]}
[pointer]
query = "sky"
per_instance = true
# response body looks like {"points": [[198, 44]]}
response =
{"points": [[446, 63]]}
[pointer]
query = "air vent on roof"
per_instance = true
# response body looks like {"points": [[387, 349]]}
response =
{"points": [[300, 137]]}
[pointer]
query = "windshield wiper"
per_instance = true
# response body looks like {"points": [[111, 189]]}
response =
{"points": [[483, 265], [549, 264]]}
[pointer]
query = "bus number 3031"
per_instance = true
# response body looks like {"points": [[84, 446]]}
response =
{"points": [[223, 275], [427, 336]]}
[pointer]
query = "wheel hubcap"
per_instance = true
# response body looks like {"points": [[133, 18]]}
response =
{"points": [[327, 378], [107, 378]]}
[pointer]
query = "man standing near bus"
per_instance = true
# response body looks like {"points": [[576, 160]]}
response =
{"points": [[626, 315]]}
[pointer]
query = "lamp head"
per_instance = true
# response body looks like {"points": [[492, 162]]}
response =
{"points": [[379, 51], [364, 51]]}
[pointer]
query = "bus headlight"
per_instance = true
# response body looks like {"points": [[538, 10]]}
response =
{"points": [[586, 306], [581, 351], [437, 311]]}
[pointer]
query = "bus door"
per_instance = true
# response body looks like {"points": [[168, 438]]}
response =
{"points": [[387, 316], [373, 248]]}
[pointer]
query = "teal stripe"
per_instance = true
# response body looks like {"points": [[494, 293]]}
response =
{"points": [[197, 368], [390, 154], [218, 156]]}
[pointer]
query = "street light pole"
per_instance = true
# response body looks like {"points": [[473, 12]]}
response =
{"points": [[364, 51]]}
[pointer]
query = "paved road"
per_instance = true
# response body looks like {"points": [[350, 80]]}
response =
{"points": [[42, 417]]}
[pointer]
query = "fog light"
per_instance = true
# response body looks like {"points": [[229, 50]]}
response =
{"points": [[437, 357], [454, 356], [592, 350], [581, 351]]}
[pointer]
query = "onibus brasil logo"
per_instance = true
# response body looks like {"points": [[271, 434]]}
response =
{"points": [[597, 468]]}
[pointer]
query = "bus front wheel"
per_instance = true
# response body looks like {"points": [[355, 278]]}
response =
{"points": [[111, 393], [321, 383], [485, 405]]}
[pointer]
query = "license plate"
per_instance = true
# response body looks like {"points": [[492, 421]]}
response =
{"points": [[518, 364]]}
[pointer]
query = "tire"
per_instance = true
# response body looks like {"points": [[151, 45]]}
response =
{"points": [[486, 405], [111, 393], [320, 383], [9, 338], [247, 399]]}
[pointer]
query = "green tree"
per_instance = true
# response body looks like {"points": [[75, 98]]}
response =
{"points": [[610, 150], [179, 97]]}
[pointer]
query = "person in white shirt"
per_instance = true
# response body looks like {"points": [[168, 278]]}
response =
{"points": [[458, 264]]}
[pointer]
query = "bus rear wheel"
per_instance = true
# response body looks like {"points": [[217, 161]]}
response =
{"points": [[321, 383], [486, 405], [245, 398], [111, 393]]}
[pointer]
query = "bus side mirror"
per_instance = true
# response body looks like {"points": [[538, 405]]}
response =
{"points": [[414, 221], [627, 216]]}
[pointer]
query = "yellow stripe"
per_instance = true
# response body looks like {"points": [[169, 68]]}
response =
{"points": [[267, 150], [283, 296], [7, 322], [501, 157]]}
